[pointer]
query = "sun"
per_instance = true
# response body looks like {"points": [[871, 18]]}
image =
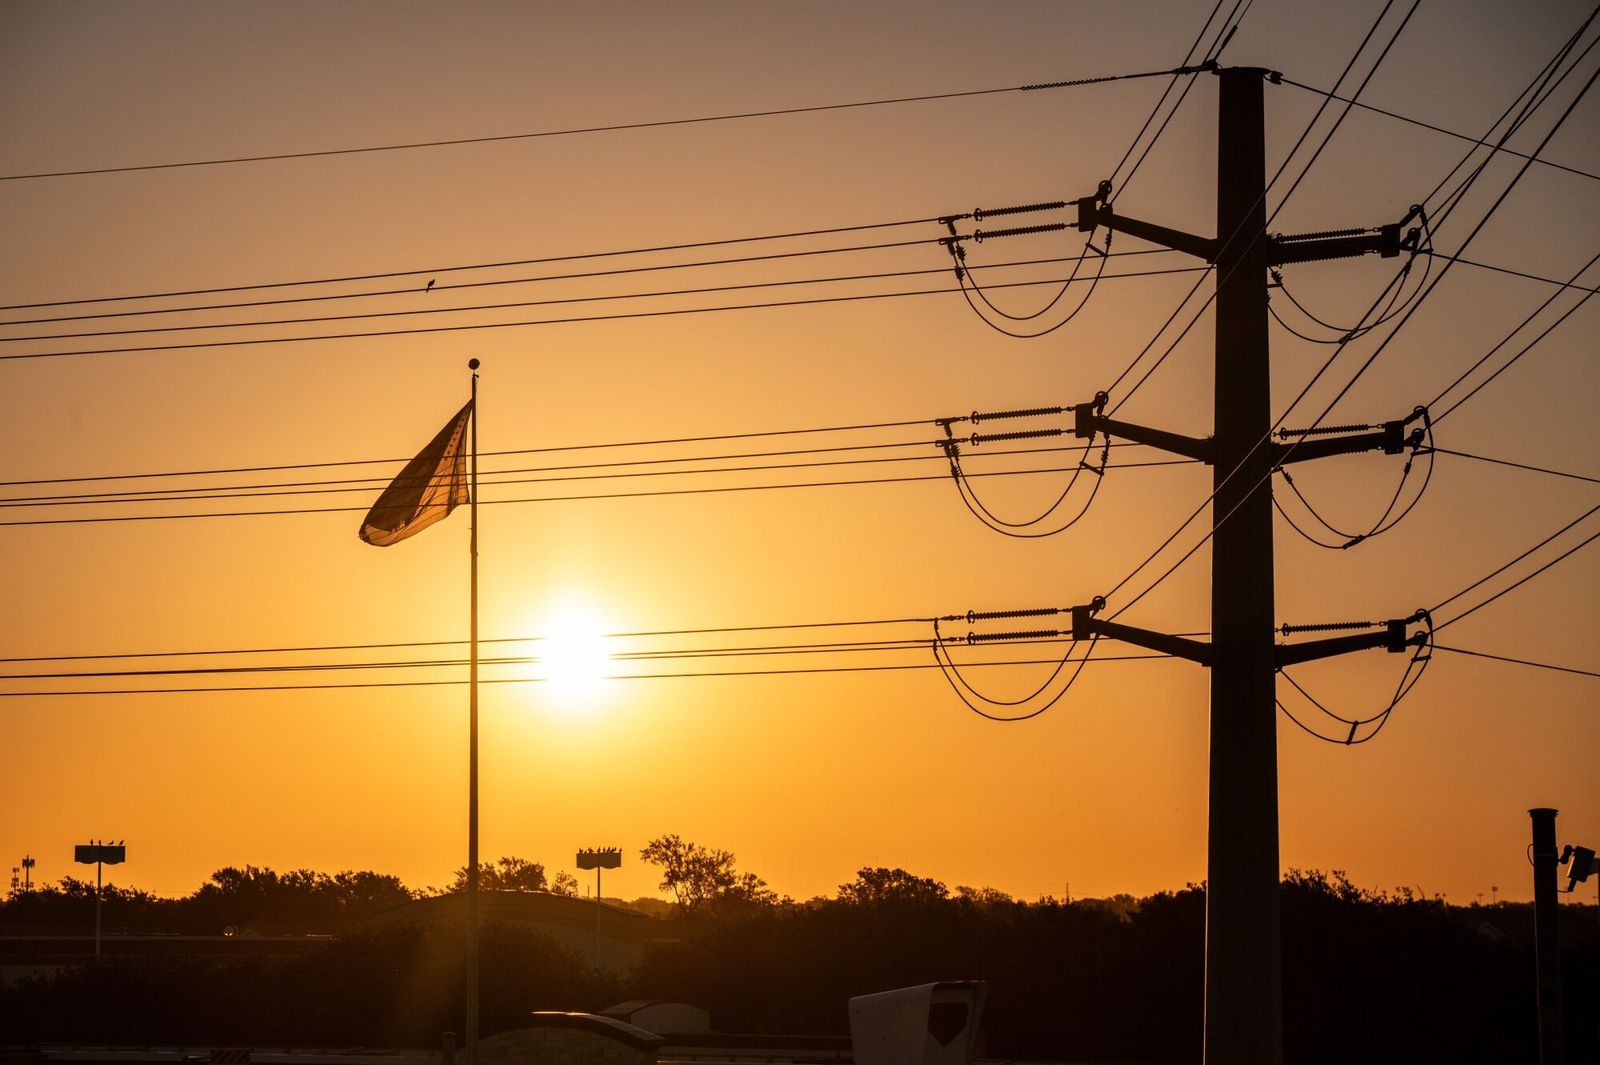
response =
{"points": [[573, 657]]}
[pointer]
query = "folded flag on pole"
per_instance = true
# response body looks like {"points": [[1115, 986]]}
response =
{"points": [[428, 489]]}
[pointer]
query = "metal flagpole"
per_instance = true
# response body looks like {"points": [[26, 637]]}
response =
{"points": [[472, 754]]}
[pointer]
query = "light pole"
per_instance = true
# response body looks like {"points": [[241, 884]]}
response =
{"points": [[598, 859], [99, 855]]}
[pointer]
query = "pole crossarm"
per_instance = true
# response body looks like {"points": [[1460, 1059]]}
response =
{"points": [[1391, 636], [1094, 211], [1085, 626], [1088, 420], [1390, 437]]}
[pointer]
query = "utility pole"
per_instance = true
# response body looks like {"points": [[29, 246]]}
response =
{"points": [[1244, 998], [1546, 945], [1243, 983]]}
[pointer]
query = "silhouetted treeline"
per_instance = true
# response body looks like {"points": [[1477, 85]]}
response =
{"points": [[251, 898], [1367, 976], [231, 898]]}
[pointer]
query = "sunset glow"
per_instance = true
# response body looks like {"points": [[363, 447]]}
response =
{"points": [[768, 476], [573, 658]]}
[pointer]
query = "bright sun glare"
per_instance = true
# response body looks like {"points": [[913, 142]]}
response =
{"points": [[573, 657]]}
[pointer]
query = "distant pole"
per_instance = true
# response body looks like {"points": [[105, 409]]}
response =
{"points": [[472, 754], [1546, 945], [598, 858], [99, 888], [98, 853]]}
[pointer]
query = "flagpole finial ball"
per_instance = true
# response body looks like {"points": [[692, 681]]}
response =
{"points": [[472, 364]]}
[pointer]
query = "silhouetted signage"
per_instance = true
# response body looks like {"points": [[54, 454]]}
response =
{"points": [[607, 858], [106, 853]]}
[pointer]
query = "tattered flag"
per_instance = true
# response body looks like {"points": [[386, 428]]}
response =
{"points": [[427, 490]]}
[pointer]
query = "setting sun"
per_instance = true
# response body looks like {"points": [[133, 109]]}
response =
{"points": [[572, 656]]}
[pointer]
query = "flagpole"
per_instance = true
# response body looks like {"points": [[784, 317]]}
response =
{"points": [[472, 755]]}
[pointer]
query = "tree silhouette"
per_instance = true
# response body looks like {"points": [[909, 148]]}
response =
{"points": [[698, 876], [880, 885], [508, 874]]}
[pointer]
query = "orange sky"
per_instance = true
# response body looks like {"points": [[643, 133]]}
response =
{"points": [[805, 778]]}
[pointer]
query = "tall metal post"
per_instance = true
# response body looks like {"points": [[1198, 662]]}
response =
{"points": [[1546, 944], [99, 891], [597, 919], [472, 755], [1243, 1011]]}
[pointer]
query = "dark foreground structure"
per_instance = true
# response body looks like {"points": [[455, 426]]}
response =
{"points": [[1366, 977]]}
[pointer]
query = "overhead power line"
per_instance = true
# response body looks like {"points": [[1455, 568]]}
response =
{"points": [[1509, 272], [1227, 239], [500, 478], [358, 316], [1517, 465], [619, 316], [555, 449], [1524, 579], [582, 130], [458, 286], [549, 449], [1277, 78], [494, 265], [896, 667], [1541, 90], [1517, 661], [709, 630], [659, 493], [624, 657]]}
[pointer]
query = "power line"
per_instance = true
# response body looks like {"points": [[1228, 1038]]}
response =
{"points": [[575, 498], [1508, 271], [1416, 303], [1524, 580], [1511, 361], [533, 680], [560, 321], [1188, 56], [1276, 78], [412, 290], [1276, 176], [1212, 298], [713, 630], [495, 454], [431, 270], [576, 131], [339, 487], [1517, 465], [837, 647], [1517, 661], [354, 316]]}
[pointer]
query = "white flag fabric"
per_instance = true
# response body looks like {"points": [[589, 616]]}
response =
{"points": [[427, 490]]}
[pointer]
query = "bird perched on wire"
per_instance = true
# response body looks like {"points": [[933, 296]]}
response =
{"points": [[431, 280]]}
